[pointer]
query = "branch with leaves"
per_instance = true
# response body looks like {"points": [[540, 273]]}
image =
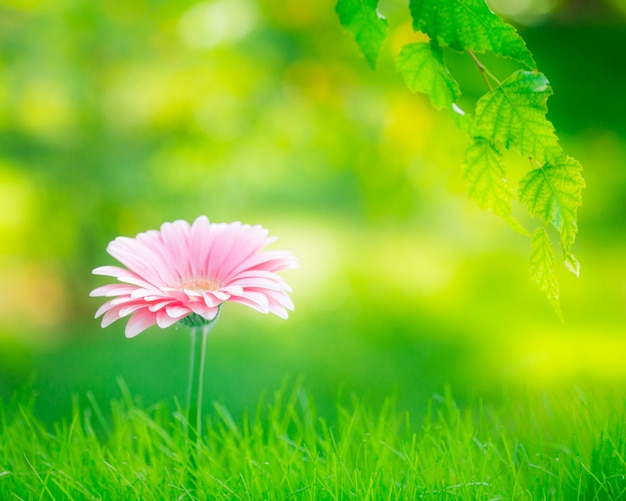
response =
{"points": [[510, 115]]}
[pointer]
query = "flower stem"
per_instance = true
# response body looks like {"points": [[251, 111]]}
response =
{"points": [[199, 335], [190, 379], [200, 328]]}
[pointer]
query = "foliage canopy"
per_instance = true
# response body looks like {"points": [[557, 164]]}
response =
{"points": [[511, 114]]}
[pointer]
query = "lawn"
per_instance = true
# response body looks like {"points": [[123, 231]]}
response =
{"points": [[539, 447]]}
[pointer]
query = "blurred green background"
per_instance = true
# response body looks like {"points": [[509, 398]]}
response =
{"points": [[116, 116]]}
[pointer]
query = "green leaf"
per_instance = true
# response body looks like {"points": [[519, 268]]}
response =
{"points": [[515, 114], [554, 193], [422, 67], [542, 267], [572, 264], [469, 25], [485, 177], [369, 28]]}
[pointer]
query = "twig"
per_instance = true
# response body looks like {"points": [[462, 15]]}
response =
{"points": [[484, 72]]}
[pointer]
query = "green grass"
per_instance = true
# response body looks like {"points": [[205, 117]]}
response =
{"points": [[569, 447]]}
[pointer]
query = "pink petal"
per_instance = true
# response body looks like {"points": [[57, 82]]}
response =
{"points": [[246, 241], [118, 312], [112, 290], [177, 311], [203, 310], [277, 308], [164, 320], [248, 302], [104, 308], [258, 282], [211, 299], [144, 260], [199, 243], [139, 322], [232, 290], [222, 296], [160, 305], [175, 237], [281, 297], [110, 316], [256, 297], [268, 261], [122, 275], [207, 262], [128, 309], [125, 300], [139, 293]]}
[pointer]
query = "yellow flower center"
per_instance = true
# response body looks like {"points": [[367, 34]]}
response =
{"points": [[199, 285]]}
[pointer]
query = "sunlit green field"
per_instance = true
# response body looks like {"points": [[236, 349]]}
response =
{"points": [[421, 362]]}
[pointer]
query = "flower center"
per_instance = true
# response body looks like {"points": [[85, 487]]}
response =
{"points": [[198, 284]]}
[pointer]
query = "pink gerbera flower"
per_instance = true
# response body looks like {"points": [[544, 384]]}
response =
{"points": [[185, 272]]}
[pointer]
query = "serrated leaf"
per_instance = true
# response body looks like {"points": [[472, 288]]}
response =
{"points": [[554, 193], [469, 25], [542, 267], [367, 25], [572, 264], [485, 176], [515, 114], [464, 121], [422, 68]]}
